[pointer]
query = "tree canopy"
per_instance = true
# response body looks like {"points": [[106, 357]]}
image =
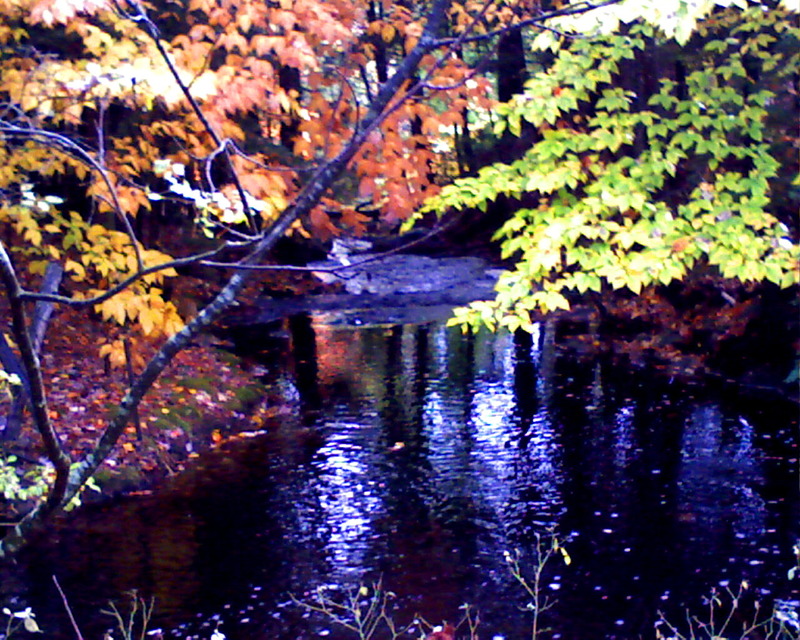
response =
{"points": [[629, 186]]}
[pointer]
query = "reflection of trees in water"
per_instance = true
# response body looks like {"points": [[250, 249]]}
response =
{"points": [[109, 550], [304, 360], [455, 405], [504, 438], [718, 493], [351, 498], [537, 502]]}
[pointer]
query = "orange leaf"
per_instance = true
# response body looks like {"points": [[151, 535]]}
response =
{"points": [[388, 32], [680, 245]]}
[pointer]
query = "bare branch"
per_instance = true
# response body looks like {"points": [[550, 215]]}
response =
{"points": [[434, 231], [141, 17], [286, 168], [538, 21], [72, 621], [127, 282], [30, 362]]}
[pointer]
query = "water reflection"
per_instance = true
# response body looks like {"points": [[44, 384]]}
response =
{"points": [[436, 453], [350, 504], [718, 483]]}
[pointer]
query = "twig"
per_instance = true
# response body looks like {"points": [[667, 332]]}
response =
{"points": [[69, 609], [533, 22], [152, 30], [355, 263], [110, 293], [73, 149]]}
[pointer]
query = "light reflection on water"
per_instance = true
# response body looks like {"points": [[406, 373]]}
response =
{"points": [[490, 446], [349, 505], [718, 480], [438, 453]]}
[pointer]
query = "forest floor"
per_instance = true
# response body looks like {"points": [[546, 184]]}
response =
{"points": [[204, 395]]}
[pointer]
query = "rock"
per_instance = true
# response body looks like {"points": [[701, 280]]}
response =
{"points": [[381, 289], [402, 273]]}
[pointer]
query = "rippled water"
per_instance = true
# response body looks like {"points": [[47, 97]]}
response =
{"points": [[420, 456]]}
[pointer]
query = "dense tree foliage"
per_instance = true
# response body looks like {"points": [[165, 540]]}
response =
{"points": [[250, 120], [629, 187], [122, 121]]}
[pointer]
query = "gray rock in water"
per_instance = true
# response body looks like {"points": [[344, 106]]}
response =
{"points": [[403, 273]]}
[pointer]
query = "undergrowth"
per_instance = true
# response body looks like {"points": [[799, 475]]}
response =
{"points": [[367, 611]]}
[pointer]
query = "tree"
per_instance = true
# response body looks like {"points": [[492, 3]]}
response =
{"points": [[626, 191], [117, 114]]}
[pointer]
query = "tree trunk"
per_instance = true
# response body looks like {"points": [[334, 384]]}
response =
{"points": [[289, 79], [41, 316], [511, 70]]}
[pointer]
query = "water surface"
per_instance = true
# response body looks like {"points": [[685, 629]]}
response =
{"points": [[419, 456]]}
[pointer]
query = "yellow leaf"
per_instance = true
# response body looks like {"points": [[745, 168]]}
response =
{"points": [[95, 231], [115, 352], [113, 308], [130, 262], [77, 269], [37, 267], [34, 236], [146, 319]]}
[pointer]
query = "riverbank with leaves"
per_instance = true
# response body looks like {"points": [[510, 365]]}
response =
{"points": [[206, 394]]}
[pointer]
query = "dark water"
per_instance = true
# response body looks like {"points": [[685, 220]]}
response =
{"points": [[420, 456]]}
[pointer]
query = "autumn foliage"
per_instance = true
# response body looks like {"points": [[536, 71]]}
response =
{"points": [[276, 87], [124, 121]]}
